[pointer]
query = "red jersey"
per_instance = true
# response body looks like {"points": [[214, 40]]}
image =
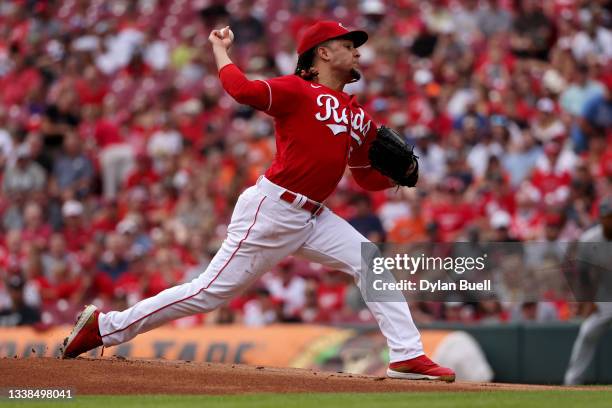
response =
{"points": [[318, 132]]}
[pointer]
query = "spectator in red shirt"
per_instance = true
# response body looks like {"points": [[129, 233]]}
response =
{"points": [[66, 284], [452, 212], [21, 80], [116, 156], [142, 173], [106, 217], [130, 285], [35, 229], [75, 231], [552, 177], [191, 123], [92, 88], [331, 295]]}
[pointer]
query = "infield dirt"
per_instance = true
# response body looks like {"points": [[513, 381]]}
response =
{"points": [[119, 376]]}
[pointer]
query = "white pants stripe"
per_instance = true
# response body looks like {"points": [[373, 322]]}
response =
{"points": [[263, 231]]}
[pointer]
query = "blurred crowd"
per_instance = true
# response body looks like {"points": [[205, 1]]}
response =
{"points": [[121, 157]]}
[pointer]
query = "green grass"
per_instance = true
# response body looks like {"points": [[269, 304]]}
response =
{"points": [[522, 399]]}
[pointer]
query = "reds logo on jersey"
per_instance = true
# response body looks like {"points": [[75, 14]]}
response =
{"points": [[341, 118]]}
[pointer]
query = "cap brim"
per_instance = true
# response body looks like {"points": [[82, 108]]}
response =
{"points": [[358, 37]]}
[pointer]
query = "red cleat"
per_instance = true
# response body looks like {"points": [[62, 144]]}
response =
{"points": [[420, 368], [84, 336]]}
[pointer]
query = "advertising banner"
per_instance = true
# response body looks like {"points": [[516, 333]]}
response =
{"points": [[300, 346]]}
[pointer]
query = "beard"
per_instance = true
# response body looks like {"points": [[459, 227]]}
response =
{"points": [[355, 75]]}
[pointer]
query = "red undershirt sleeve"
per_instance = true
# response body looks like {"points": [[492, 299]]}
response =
{"points": [[276, 96], [370, 179], [252, 93], [365, 175]]}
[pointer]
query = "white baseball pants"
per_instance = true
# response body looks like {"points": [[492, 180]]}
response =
{"points": [[263, 230], [583, 351]]}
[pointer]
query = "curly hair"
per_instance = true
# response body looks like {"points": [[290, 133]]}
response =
{"points": [[304, 67]]}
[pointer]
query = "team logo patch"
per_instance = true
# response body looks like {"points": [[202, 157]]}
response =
{"points": [[341, 118]]}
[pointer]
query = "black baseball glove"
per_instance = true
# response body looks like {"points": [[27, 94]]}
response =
{"points": [[391, 156]]}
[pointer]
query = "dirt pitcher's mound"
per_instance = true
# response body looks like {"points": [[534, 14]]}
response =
{"points": [[120, 376]]}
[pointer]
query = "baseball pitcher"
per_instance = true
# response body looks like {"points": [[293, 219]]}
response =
{"points": [[319, 131]]}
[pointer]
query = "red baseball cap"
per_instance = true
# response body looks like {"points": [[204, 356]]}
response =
{"points": [[327, 30]]}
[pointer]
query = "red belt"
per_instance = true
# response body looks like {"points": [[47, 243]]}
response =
{"points": [[312, 207]]}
